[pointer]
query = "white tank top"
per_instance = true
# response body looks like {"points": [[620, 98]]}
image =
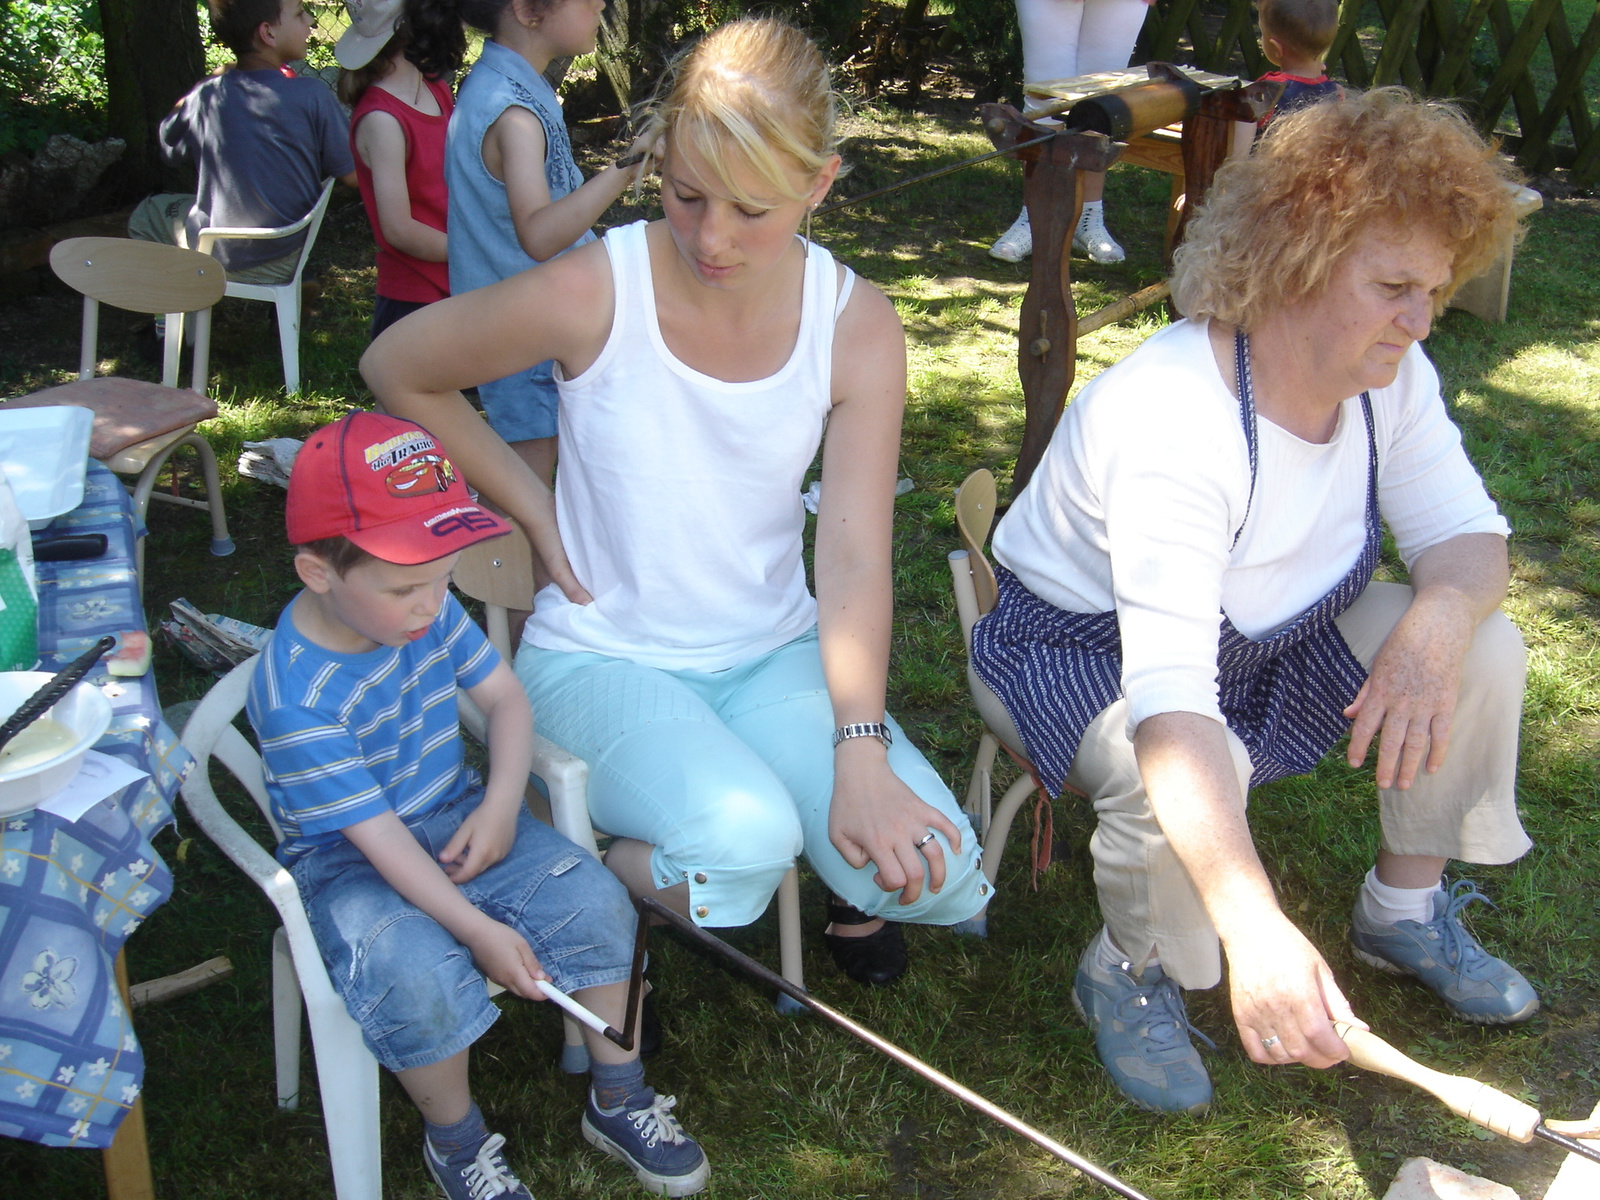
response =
{"points": [[678, 495]]}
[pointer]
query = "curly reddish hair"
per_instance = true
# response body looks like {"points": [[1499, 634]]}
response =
{"points": [[1275, 224]]}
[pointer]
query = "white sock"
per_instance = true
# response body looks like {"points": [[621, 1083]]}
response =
{"points": [[1385, 905], [1108, 956]]}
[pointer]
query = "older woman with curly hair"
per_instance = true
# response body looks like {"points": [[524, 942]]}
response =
{"points": [[1187, 606]]}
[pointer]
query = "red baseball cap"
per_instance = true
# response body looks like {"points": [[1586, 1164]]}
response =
{"points": [[385, 484]]}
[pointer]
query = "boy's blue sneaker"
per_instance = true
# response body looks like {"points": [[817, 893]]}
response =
{"points": [[1477, 986], [482, 1177], [1141, 1033], [645, 1135]]}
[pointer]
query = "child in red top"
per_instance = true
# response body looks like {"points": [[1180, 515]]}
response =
{"points": [[397, 130], [1295, 37]]}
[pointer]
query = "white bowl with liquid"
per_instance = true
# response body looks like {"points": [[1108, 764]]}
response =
{"points": [[43, 758]]}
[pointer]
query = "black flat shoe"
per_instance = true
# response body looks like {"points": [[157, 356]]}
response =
{"points": [[877, 959]]}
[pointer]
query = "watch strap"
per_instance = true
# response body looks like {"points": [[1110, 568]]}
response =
{"points": [[874, 729]]}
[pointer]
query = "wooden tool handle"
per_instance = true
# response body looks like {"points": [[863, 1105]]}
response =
{"points": [[1477, 1102]]}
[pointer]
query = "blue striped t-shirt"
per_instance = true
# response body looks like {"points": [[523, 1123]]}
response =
{"points": [[346, 736]]}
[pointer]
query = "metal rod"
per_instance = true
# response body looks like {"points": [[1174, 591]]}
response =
{"points": [[905, 1059], [1571, 1145], [935, 174], [585, 1016], [580, 1013]]}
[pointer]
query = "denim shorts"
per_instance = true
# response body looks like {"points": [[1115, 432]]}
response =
{"points": [[409, 984], [521, 407]]}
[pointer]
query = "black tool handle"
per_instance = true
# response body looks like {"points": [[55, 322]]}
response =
{"points": [[75, 545], [41, 701]]}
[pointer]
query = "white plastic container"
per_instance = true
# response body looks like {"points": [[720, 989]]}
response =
{"points": [[45, 452], [84, 711]]}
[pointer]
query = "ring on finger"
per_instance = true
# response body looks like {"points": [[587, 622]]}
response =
{"points": [[925, 840], [1270, 1042]]}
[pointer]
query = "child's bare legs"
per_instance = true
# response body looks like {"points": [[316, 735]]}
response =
{"points": [[610, 1004], [439, 1090]]}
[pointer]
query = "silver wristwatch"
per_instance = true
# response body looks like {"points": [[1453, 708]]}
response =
{"points": [[876, 729]]}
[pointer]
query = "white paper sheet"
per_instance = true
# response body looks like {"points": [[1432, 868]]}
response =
{"points": [[101, 775]]}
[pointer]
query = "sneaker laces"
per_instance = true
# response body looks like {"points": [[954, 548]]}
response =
{"points": [[656, 1123], [1462, 951], [487, 1175], [1159, 1010]]}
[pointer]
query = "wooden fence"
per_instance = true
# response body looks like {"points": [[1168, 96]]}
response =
{"points": [[1473, 50]]}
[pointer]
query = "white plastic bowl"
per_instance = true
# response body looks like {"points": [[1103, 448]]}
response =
{"points": [[84, 710]]}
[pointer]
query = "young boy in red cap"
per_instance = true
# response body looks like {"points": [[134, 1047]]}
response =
{"points": [[418, 878]]}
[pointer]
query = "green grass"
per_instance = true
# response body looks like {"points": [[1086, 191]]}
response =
{"points": [[794, 1108]]}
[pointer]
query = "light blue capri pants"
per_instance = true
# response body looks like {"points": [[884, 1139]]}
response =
{"points": [[729, 775]]}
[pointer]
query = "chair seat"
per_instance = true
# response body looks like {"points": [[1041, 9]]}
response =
{"points": [[126, 411]]}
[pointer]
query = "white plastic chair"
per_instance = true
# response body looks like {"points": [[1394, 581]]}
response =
{"points": [[975, 589], [286, 296], [346, 1071], [499, 574], [137, 424]]}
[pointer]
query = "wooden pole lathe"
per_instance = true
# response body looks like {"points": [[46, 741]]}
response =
{"points": [[1047, 334]]}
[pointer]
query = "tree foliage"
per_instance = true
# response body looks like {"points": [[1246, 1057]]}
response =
{"points": [[51, 77]]}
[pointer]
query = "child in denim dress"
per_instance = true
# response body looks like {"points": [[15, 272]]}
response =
{"points": [[516, 197], [418, 878]]}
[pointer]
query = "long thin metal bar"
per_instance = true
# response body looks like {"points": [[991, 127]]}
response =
{"points": [[932, 1074], [935, 174], [1571, 1145]]}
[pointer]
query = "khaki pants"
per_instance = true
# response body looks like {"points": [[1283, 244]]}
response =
{"points": [[1467, 810], [160, 218]]}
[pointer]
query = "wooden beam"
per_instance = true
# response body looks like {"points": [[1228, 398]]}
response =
{"points": [[170, 987], [1456, 63]]}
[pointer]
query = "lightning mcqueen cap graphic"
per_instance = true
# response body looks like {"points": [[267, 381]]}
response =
{"points": [[386, 485]]}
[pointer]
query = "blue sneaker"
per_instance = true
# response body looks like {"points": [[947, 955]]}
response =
{"points": [[1476, 986], [649, 1139], [482, 1177], [1141, 1033]]}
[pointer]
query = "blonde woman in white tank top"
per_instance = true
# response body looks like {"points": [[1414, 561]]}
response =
{"points": [[729, 720]]}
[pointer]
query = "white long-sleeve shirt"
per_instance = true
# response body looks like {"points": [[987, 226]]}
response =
{"points": [[1136, 501]]}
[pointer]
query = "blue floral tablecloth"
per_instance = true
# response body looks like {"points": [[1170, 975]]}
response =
{"points": [[72, 892]]}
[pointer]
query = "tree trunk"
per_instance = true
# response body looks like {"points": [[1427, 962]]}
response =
{"points": [[153, 56]]}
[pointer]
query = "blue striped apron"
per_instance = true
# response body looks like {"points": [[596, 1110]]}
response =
{"points": [[1284, 696]]}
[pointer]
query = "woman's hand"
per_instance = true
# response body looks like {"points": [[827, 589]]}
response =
{"points": [[1282, 989], [876, 818], [1409, 698]]}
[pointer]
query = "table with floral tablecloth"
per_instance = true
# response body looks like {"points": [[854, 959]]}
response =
{"points": [[72, 892]]}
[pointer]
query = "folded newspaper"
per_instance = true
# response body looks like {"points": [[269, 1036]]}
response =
{"points": [[271, 460], [212, 641]]}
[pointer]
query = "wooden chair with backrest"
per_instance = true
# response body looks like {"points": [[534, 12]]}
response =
{"points": [[499, 574], [347, 1074], [138, 425], [975, 589], [284, 296]]}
